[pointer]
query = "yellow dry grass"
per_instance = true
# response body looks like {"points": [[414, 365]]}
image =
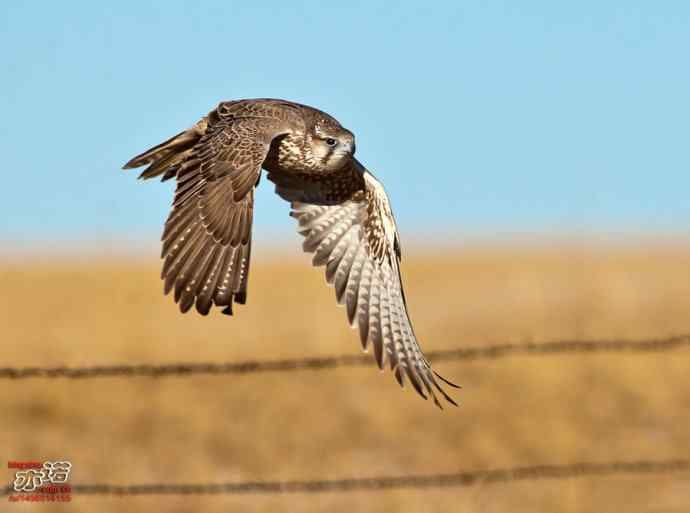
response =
{"points": [[355, 422]]}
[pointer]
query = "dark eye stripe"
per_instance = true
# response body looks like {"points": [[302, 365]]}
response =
{"points": [[329, 154]]}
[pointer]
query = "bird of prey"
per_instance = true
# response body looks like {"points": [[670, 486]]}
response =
{"points": [[342, 211]]}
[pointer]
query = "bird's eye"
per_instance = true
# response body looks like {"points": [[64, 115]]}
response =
{"points": [[331, 142]]}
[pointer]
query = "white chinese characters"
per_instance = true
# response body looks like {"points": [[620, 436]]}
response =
{"points": [[53, 472]]}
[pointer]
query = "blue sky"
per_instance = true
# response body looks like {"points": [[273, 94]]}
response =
{"points": [[481, 118]]}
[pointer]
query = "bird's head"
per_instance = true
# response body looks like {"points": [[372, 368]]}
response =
{"points": [[332, 146]]}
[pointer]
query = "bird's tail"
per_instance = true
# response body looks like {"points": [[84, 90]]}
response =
{"points": [[166, 158]]}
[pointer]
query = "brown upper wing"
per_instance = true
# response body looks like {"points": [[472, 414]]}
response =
{"points": [[207, 237], [348, 224]]}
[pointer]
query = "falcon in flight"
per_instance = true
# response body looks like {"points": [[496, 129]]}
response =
{"points": [[342, 211]]}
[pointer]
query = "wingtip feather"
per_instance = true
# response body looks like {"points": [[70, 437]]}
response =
{"points": [[449, 383]]}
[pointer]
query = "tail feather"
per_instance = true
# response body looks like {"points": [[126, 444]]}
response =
{"points": [[165, 158]]}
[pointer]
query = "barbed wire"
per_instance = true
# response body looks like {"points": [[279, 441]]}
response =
{"points": [[321, 363], [495, 476]]}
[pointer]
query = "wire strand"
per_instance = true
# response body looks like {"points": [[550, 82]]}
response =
{"points": [[495, 476], [492, 352]]}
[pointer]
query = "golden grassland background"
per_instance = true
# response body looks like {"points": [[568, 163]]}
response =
{"points": [[355, 422]]}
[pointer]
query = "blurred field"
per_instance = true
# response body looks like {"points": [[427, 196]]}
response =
{"points": [[355, 422]]}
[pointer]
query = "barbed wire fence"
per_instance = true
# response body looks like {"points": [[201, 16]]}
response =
{"points": [[459, 479], [491, 352]]}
